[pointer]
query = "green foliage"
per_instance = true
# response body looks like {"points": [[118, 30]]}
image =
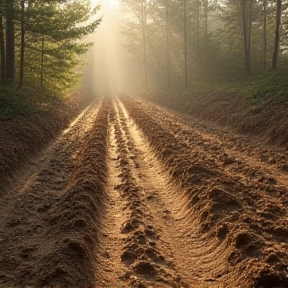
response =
{"points": [[53, 42], [215, 43], [54, 32], [28, 100], [16, 102], [267, 86]]}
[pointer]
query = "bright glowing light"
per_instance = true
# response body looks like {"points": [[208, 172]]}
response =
{"points": [[110, 69], [112, 2], [105, 3]]}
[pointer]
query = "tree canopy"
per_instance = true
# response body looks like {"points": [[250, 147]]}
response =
{"points": [[188, 42], [41, 42]]}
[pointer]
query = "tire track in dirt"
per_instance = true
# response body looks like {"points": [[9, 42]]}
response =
{"points": [[145, 256], [171, 206], [245, 169], [249, 224], [50, 227]]}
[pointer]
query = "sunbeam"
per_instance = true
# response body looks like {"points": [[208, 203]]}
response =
{"points": [[110, 69], [105, 3]]}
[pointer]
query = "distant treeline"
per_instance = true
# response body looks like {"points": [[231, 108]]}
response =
{"points": [[40, 42], [181, 43]]}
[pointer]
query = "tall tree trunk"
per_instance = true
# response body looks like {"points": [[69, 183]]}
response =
{"points": [[168, 44], [22, 48], [198, 42], [245, 32], [277, 34], [264, 34], [143, 28], [205, 3], [42, 60], [10, 41], [250, 31], [185, 44], [2, 51]]}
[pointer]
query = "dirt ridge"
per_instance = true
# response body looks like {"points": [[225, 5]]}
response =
{"points": [[132, 195], [220, 203], [264, 120], [22, 137], [57, 229]]}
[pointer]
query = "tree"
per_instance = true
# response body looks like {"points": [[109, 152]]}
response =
{"points": [[167, 20], [143, 30], [264, 33], [246, 30], [191, 41], [277, 34], [2, 49], [22, 44], [51, 31], [185, 44], [10, 41]]}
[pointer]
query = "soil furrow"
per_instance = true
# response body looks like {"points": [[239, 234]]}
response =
{"points": [[50, 229], [232, 151], [143, 257], [171, 209], [232, 213], [132, 195]]}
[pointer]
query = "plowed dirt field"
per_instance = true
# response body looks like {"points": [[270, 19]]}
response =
{"points": [[131, 195]]}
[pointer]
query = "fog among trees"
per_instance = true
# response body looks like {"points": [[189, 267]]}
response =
{"points": [[183, 44], [140, 44]]}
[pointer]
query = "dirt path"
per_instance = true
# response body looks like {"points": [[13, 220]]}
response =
{"points": [[141, 216], [132, 195]]}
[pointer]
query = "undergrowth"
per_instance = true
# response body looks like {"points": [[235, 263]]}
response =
{"points": [[267, 87], [24, 102]]}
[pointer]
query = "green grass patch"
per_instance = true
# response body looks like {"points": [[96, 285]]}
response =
{"points": [[14, 102]]}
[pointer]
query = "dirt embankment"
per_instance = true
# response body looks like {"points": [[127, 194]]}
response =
{"points": [[21, 137], [51, 220], [267, 123]]}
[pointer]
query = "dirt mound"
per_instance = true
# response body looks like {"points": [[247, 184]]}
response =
{"points": [[22, 137], [50, 236], [232, 213], [268, 123], [133, 195]]}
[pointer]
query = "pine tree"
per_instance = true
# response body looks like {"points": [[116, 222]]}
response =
{"points": [[10, 41], [277, 33], [47, 39]]}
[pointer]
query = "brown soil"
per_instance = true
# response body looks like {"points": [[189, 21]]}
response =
{"points": [[266, 122], [132, 195], [22, 137]]}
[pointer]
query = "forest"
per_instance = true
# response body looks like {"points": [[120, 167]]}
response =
{"points": [[178, 45], [179, 181], [42, 44], [203, 44]]}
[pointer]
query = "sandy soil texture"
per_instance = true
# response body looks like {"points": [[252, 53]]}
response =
{"points": [[132, 195], [22, 137], [263, 119]]}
